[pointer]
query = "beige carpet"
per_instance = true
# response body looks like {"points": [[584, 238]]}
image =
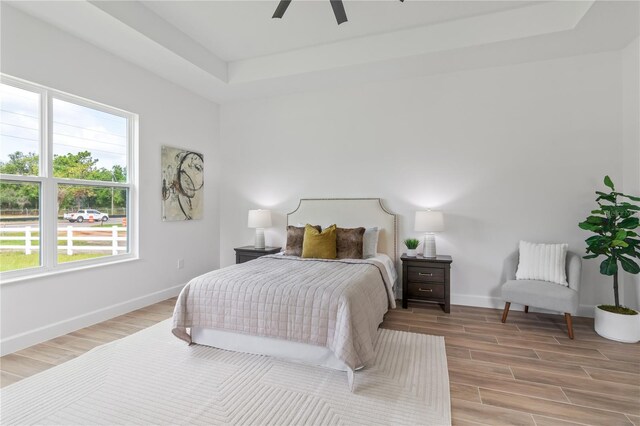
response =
{"points": [[153, 378]]}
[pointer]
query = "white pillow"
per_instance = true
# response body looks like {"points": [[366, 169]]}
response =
{"points": [[543, 262], [370, 242]]}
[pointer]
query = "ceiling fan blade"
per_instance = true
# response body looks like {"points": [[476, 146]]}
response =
{"points": [[281, 9], [338, 10]]}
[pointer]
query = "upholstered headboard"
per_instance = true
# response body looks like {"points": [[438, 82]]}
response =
{"points": [[350, 213]]}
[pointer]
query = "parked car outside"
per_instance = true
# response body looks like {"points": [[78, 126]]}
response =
{"points": [[85, 214]]}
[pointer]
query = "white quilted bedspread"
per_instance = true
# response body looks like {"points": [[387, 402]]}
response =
{"points": [[337, 304]]}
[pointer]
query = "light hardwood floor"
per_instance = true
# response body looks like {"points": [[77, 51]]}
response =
{"points": [[524, 372]]}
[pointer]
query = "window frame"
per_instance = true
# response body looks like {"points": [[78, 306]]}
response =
{"points": [[48, 206]]}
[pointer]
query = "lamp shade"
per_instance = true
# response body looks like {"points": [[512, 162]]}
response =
{"points": [[429, 221], [259, 218]]}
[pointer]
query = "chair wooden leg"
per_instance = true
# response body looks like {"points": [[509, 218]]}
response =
{"points": [[567, 318], [526, 309], [506, 311]]}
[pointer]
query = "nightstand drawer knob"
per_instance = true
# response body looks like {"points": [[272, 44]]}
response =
{"points": [[425, 275], [427, 290]]}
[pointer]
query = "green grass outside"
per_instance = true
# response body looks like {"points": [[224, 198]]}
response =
{"points": [[13, 260]]}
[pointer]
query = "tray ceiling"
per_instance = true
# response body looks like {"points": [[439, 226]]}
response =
{"points": [[231, 50]]}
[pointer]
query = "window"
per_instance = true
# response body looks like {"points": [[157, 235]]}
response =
{"points": [[67, 168]]}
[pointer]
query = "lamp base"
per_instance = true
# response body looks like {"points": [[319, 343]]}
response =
{"points": [[429, 246], [259, 244]]}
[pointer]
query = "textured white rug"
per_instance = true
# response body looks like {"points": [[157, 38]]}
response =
{"points": [[153, 378]]}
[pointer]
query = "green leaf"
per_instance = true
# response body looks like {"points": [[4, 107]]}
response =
{"points": [[595, 240], [597, 212], [629, 265], [632, 241], [609, 266], [621, 234], [623, 211], [610, 211], [629, 251], [590, 256], [629, 206], [608, 182], [631, 197], [599, 247], [619, 243], [599, 251], [604, 196], [607, 198], [629, 223], [590, 227], [597, 220]]}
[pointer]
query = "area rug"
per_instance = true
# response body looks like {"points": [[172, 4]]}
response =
{"points": [[153, 378]]}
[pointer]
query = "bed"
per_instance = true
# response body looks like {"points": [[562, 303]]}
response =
{"points": [[315, 311]]}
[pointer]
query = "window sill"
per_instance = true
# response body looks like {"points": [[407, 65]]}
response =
{"points": [[64, 270]]}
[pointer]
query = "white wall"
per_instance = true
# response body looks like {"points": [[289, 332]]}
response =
{"points": [[631, 146], [507, 153], [38, 309]]}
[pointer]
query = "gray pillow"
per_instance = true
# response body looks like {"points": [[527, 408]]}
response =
{"points": [[370, 242]]}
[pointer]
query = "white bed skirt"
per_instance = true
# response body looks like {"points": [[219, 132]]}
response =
{"points": [[277, 348]]}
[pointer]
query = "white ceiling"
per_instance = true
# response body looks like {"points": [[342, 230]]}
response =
{"points": [[232, 50], [244, 29]]}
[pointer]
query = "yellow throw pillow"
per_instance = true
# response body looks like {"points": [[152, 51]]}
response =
{"points": [[319, 245]]}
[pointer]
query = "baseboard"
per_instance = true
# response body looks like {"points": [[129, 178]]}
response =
{"points": [[498, 303], [477, 301], [586, 311], [29, 338]]}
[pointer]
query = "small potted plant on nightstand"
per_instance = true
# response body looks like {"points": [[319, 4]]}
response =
{"points": [[614, 222], [411, 244]]}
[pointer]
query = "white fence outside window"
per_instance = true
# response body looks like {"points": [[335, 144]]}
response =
{"points": [[31, 241]]}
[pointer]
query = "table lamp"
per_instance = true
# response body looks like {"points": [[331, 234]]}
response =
{"points": [[259, 219], [429, 221]]}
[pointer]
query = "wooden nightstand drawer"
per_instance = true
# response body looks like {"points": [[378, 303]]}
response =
{"points": [[426, 280], [426, 291], [426, 275]]}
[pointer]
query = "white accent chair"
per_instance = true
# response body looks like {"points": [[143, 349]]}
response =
{"points": [[543, 294]]}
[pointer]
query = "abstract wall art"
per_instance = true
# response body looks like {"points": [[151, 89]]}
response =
{"points": [[182, 184]]}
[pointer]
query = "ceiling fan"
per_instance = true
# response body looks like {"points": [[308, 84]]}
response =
{"points": [[338, 10]]}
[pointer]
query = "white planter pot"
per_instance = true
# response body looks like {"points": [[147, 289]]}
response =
{"points": [[412, 252], [621, 328]]}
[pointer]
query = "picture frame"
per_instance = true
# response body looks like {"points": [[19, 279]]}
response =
{"points": [[182, 184]]}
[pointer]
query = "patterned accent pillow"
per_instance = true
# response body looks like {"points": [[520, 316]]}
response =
{"points": [[319, 245], [349, 243], [295, 237]]}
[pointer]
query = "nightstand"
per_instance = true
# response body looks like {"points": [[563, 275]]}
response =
{"points": [[426, 280], [247, 253]]}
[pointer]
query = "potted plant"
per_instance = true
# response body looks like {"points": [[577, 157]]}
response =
{"points": [[411, 244], [614, 222]]}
